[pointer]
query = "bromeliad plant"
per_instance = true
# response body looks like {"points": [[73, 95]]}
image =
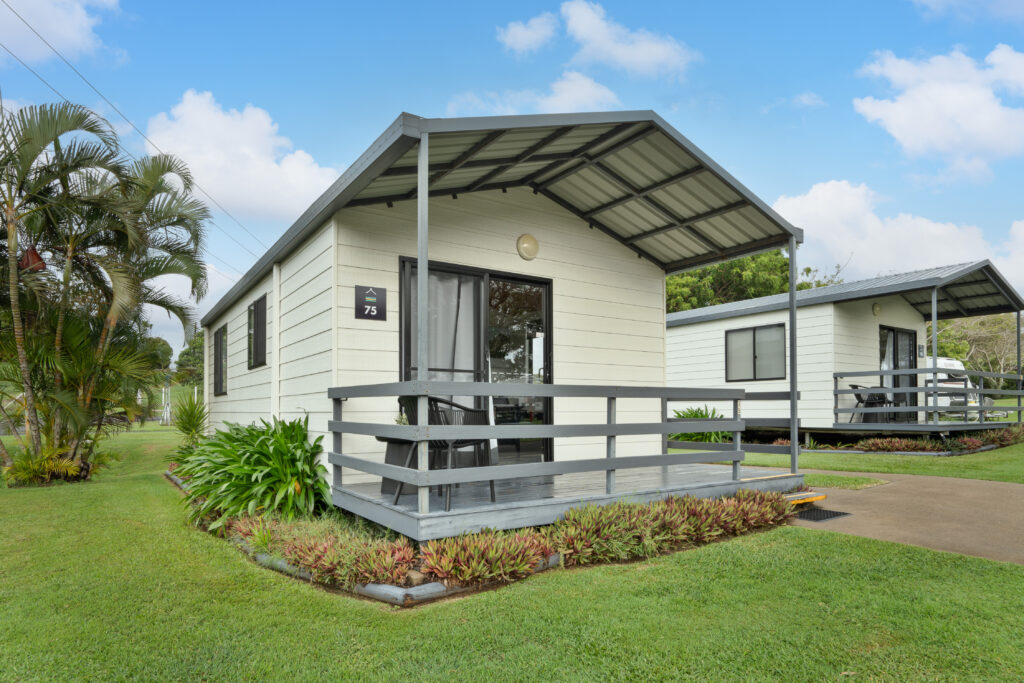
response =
{"points": [[255, 469]]}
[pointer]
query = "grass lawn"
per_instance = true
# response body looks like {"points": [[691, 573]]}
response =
{"points": [[105, 580], [839, 481], [1002, 464]]}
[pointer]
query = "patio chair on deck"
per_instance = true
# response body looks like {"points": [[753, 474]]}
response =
{"points": [[445, 412], [868, 399]]}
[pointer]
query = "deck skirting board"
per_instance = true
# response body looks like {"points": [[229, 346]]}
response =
{"points": [[518, 514]]}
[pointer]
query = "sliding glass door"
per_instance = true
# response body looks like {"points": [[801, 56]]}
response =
{"points": [[897, 351], [486, 327]]}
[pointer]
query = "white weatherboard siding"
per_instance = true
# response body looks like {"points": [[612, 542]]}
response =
{"points": [[695, 357], [306, 338], [248, 391], [608, 305], [857, 339]]}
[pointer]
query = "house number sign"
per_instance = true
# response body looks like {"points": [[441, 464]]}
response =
{"points": [[371, 303]]}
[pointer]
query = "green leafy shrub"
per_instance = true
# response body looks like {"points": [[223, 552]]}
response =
{"points": [[1001, 438], [701, 413], [31, 469], [191, 418], [259, 469], [486, 556]]}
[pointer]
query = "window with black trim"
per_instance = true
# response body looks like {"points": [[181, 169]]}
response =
{"points": [[220, 361], [258, 333], [755, 353]]}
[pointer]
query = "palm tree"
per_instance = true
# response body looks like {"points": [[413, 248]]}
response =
{"points": [[33, 178]]}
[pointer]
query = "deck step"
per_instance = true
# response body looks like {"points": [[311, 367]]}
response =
{"points": [[802, 497]]}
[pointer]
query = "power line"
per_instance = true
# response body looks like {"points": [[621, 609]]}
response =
{"points": [[61, 95], [130, 122]]}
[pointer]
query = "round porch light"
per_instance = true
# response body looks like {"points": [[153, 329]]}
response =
{"points": [[527, 247], [876, 309]]}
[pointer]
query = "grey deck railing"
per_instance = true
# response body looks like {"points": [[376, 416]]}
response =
{"points": [[932, 392], [424, 433]]}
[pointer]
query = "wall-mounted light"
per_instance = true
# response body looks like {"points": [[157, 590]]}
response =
{"points": [[527, 247], [876, 309]]}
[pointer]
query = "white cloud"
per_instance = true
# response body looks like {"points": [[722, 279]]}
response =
{"points": [[68, 24], [522, 37], [240, 158], [967, 9], [950, 106], [572, 92], [843, 226], [638, 52], [804, 100]]}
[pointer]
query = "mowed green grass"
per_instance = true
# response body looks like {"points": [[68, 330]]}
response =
{"points": [[1002, 464], [105, 580]]}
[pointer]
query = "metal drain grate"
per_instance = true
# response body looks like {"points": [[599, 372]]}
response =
{"points": [[820, 514]]}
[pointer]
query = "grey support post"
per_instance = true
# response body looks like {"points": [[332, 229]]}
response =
{"points": [[1018, 368], [935, 356], [609, 475], [422, 314], [794, 436], [737, 440]]}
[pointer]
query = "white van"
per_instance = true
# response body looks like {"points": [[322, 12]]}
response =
{"points": [[954, 376]]}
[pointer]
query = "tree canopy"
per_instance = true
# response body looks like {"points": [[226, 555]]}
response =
{"points": [[737, 280]]}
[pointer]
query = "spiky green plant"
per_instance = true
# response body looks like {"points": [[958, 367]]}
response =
{"points": [[255, 469], [700, 413], [191, 417]]}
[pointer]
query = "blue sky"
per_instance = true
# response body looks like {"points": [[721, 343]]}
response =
{"points": [[892, 132]]}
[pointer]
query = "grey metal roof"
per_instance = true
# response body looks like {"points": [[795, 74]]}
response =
{"points": [[964, 289], [629, 174]]}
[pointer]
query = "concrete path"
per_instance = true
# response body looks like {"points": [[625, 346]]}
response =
{"points": [[968, 516]]}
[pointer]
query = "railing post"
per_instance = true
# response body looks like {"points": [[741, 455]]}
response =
{"points": [[935, 357], [422, 312], [737, 440], [337, 444], [835, 399], [664, 420], [609, 475]]}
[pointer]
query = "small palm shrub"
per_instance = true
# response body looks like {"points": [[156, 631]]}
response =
{"points": [[256, 469], [32, 469], [482, 557], [701, 413], [191, 417]]}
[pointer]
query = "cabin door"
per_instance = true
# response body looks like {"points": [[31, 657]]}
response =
{"points": [[897, 351], [486, 327]]}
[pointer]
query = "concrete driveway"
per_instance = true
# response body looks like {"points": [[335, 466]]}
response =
{"points": [[968, 516]]}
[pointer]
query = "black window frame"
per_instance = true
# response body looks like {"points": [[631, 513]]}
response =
{"points": [[220, 361], [755, 328], [256, 333]]}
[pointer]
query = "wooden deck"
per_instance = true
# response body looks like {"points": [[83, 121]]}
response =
{"points": [[532, 501]]}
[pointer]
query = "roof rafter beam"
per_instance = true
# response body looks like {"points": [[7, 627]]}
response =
{"points": [[388, 199], [588, 160], [599, 225], [580, 151], [649, 189], [672, 216], [526, 155], [713, 213], [460, 160], [488, 164], [763, 244], [993, 278], [951, 299], [979, 312]]}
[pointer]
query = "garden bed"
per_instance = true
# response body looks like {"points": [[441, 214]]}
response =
{"points": [[351, 555]]}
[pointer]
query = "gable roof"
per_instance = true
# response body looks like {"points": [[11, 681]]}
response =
{"points": [[629, 174], [965, 289]]}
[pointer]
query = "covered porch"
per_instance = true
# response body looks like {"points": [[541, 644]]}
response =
{"points": [[902, 397], [626, 176]]}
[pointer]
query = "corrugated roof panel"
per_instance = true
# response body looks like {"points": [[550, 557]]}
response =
{"points": [[915, 286]]}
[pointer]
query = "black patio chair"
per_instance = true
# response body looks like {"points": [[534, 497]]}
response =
{"points": [[868, 399], [445, 412]]}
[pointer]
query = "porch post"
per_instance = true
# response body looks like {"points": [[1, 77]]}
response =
{"points": [[794, 436], [1018, 368], [422, 314], [935, 357]]}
